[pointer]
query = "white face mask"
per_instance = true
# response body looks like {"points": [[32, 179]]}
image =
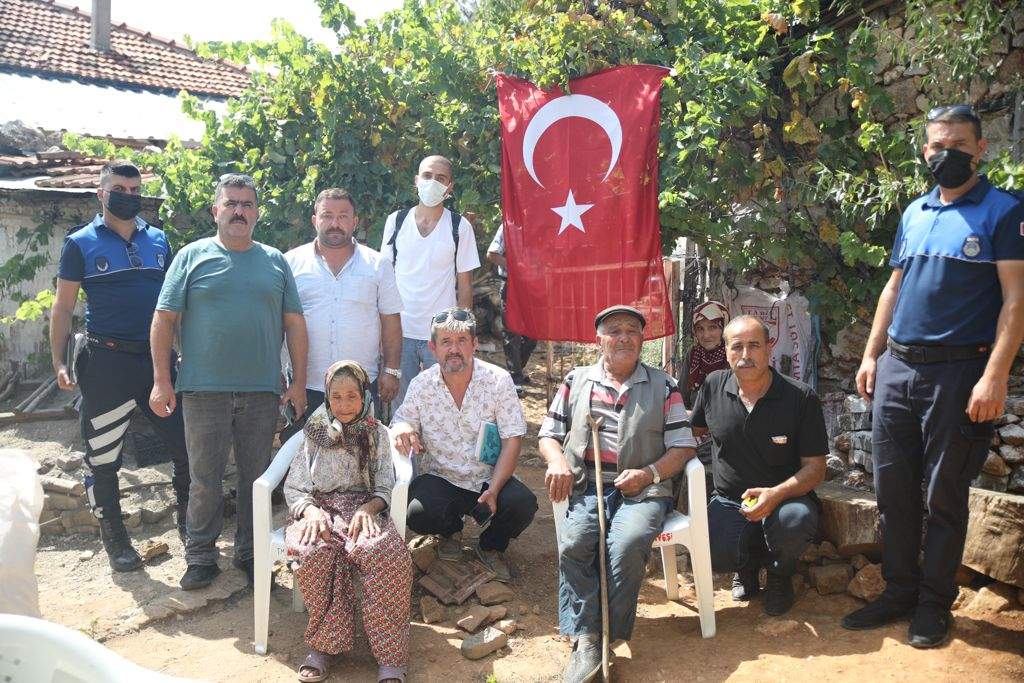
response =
{"points": [[431, 192]]}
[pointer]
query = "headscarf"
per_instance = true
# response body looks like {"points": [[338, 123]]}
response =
{"points": [[360, 435], [711, 310], [703, 361]]}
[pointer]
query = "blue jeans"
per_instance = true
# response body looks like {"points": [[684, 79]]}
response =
{"points": [[783, 534], [416, 357], [217, 422], [631, 529]]}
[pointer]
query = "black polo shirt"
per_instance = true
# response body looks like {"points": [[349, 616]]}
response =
{"points": [[762, 447]]}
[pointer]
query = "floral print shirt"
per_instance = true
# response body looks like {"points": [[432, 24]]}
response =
{"points": [[448, 433]]}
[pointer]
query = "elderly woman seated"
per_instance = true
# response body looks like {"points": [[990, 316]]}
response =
{"points": [[338, 489]]}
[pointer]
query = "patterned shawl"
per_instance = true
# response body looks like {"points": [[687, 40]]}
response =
{"points": [[326, 432]]}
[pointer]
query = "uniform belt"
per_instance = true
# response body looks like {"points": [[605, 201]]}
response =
{"points": [[124, 345], [937, 354]]}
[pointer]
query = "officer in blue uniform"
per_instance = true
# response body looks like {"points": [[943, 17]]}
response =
{"points": [[952, 317], [120, 261]]}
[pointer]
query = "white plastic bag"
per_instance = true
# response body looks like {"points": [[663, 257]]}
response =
{"points": [[21, 501], [789, 326]]}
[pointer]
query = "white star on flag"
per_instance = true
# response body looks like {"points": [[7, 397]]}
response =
{"points": [[571, 213]]}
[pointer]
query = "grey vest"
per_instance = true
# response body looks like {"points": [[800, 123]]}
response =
{"points": [[641, 428]]}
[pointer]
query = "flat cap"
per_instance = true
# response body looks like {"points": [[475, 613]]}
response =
{"points": [[620, 308]]}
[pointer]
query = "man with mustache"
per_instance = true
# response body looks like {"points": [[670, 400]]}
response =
{"points": [[440, 420], [350, 301], [433, 251], [768, 453], [234, 300], [948, 325], [643, 442]]}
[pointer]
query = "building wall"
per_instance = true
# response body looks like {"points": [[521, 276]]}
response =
{"points": [[25, 342]]}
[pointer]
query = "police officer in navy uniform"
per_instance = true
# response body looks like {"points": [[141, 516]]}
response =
{"points": [[120, 261], [952, 317]]}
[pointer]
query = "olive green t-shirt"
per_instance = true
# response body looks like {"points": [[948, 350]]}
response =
{"points": [[232, 305]]}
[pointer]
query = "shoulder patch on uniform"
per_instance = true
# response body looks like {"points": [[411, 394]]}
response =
{"points": [[160, 260]]}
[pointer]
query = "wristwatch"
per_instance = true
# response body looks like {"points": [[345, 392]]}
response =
{"points": [[654, 473], [394, 372]]}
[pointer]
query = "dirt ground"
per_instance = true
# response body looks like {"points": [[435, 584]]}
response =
{"points": [[214, 642]]}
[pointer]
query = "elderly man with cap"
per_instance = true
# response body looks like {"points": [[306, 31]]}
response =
{"points": [[644, 441]]}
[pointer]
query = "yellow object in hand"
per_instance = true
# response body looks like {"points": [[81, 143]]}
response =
{"points": [[749, 502]]}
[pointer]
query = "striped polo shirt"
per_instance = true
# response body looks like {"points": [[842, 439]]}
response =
{"points": [[606, 401]]}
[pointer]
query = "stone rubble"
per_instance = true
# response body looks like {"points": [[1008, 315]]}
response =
{"points": [[493, 592], [474, 618], [868, 583], [831, 578], [480, 645], [432, 610]]}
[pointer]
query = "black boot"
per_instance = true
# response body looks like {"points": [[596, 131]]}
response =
{"points": [[120, 553], [778, 594]]}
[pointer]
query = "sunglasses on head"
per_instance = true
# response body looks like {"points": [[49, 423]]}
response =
{"points": [[460, 314], [964, 110]]}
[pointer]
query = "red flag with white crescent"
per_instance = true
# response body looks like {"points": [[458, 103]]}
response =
{"points": [[579, 185]]}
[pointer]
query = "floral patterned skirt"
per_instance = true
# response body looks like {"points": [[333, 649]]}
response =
{"points": [[325, 577]]}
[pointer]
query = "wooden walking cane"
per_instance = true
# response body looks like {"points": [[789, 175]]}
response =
{"points": [[595, 426]]}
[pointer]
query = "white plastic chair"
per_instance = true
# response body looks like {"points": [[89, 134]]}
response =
{"points": [[690, 531], [38, 651], [269, 544]]}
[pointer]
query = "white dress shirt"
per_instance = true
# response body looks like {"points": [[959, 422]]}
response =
{"points": [[343, 311]]}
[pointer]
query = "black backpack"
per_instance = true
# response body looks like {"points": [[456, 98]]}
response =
{"points": [[400, 219]]}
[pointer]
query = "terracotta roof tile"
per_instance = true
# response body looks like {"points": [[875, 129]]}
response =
{"points": [[57, 169], [44, 37]]}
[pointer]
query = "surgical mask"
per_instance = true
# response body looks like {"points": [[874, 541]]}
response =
{"points": [[431, 192], [123, 205], [951, 167]]}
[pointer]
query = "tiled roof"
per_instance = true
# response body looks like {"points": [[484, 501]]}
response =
{"points": [[44, 37], [57, 169]]}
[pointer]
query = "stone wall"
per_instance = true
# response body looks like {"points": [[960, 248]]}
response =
{"points": [[851, 463], [908, 86], [25, 343]]}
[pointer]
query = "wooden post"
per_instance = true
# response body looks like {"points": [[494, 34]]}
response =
{"points": [[549, 376]]}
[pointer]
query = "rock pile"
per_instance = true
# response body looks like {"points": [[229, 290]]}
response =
{"points": [[481, 604], [66, 507]]}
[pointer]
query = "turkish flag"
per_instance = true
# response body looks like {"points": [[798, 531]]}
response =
{"points": [[579, 186]]}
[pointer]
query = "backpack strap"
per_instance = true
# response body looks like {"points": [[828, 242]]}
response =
{"points": [[456, 221], [393, 242], [400, 219]]}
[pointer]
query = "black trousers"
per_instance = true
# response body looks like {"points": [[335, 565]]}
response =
{"points": [[517, 347], [113, 384], [922, 438], [776, 542], [436, 506]]}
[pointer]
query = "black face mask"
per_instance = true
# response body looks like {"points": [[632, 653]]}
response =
{"points": [[951, 167], [123, 205]]}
